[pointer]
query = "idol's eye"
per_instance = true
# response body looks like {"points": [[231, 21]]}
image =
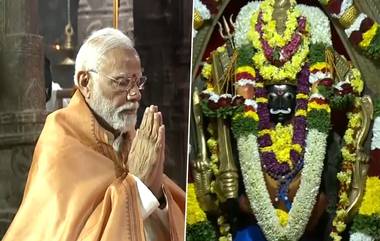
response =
{"points": [[272, 96], [289, 96]]}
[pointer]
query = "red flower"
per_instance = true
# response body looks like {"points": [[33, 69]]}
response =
{"points": [[346, 89], [374, 164], [238, 100], [356, 37], [319, 101], [224, 101], [248, 108], [212, 105], [244, 75], [366, 25], [326, 82]]}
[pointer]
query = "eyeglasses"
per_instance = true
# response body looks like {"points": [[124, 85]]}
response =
{"points": [[124, 83]]}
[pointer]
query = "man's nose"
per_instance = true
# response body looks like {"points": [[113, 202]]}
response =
{"points": [[134, 94]]}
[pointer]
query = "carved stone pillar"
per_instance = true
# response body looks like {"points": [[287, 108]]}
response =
{"points": [[97, 14], [22, 100]]}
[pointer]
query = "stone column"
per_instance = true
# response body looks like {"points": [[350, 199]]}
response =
{"points": [[22, 99]]}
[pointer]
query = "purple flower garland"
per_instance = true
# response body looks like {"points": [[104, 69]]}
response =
{"points": [[282, 172]]}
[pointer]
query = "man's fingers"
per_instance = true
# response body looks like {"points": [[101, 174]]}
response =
{"points": [[149, 121], [145, 116], [156, 125], [160, 143]]}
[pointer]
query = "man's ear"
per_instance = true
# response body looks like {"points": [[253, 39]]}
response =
{"points": [[84, 83]]}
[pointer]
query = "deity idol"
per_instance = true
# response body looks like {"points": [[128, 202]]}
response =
{"points": [[276, 83]]}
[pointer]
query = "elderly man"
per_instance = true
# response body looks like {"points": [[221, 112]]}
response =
{"points": [[93, 177]]}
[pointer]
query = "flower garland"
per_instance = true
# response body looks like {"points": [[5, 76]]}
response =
{"points": [[298, 51], [198, 227], [366, 225], [269, 28], [275, 151], [361, 30], [306, 195], [345, 175], [317, 112]]}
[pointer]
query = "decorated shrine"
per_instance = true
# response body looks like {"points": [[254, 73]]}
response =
{"points": [[284, 129]]}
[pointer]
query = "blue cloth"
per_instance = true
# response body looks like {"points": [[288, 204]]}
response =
{"points": [[250, 233]]}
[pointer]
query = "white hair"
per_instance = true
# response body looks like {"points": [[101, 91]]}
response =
{"points": [[96, 46]]}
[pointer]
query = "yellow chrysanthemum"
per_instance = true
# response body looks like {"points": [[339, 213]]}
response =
{"points": [[264, 132], [212, 145], [194, 212], [314, 105], [319, 66], [355, 120], [221, 49], [335, 236], [301, 113], [371, 199], [252, 114], [282, 144], [302, 96], [246, 69], [368, 36], [261, 100], [357, 82], [259, 85], [347, 155], [348, 136], [206, 71], [282, 217]]}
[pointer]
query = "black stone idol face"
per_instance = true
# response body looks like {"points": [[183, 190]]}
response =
{"points": [[281, 102]]}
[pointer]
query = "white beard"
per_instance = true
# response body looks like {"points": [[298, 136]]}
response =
{"points": [[113, 116]]}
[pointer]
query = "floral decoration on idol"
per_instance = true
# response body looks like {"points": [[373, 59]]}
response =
{"points": [[366, 225], [348, 152], [301, 148], [281, 60], [362, 31], [198, 227]]}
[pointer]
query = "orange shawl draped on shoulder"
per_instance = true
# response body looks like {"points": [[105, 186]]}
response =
{"points": [[73, 191]]}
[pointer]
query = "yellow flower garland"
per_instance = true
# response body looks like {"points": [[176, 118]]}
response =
{"points": [[251, 114], [282, 217], [368, 36], [194, 212], [246, 69], [271, 72], [371, 200], [282, 143], [270, 33], [206, 71]]}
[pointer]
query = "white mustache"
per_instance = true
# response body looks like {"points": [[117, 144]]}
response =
{"points": [[275, 112], [127, 107]]}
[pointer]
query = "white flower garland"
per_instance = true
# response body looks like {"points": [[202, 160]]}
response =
{"points": [[202, 9], [244, 82], [314, 77], [356, 24], [305, 198], [360, 237], [319, 24], [375, 144]]}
